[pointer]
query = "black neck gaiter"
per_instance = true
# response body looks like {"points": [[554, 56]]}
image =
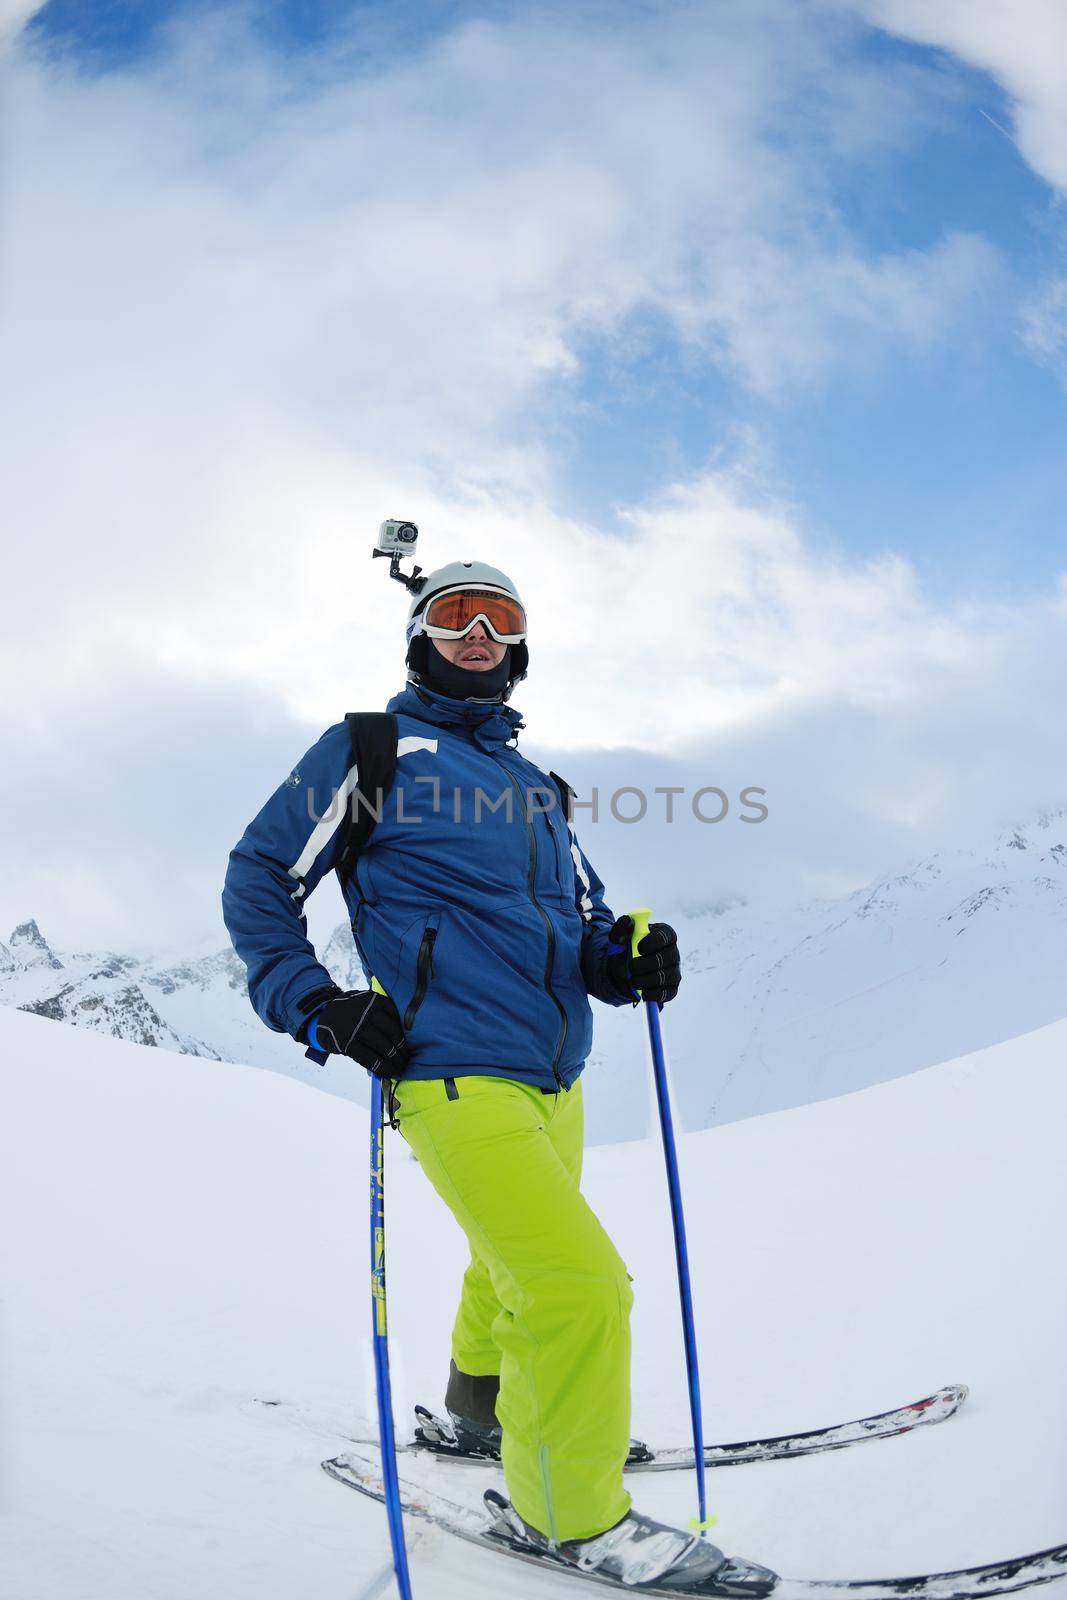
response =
{"points": [[460, 683]]}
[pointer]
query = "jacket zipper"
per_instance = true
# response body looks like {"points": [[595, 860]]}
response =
{"points": [[422, 975], [531, 879]]}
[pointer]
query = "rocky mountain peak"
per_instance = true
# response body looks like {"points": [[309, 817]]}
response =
{"points": [[30, 947]]}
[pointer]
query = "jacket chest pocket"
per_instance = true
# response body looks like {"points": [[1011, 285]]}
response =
{"points": [[558, 850], [363, 880]]}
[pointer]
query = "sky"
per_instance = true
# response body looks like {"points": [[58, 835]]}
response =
{"points": [[735, 331]]}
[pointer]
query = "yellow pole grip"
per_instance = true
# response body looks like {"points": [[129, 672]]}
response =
{"points": [[642, 917]]}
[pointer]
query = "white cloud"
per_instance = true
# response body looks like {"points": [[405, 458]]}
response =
{"points": [[247, 311], [419, 250], [1044, 325], [14, 15], [1021, 43], [713, 645], [249, 314]]}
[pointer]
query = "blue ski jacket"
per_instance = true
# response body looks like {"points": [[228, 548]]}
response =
{"points": [[472, 902]]}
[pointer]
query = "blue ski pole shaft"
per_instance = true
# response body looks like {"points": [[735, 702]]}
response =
{"points": [[681, 1253], [379, 1328]]}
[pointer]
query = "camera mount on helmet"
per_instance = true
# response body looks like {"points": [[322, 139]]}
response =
{"points": [[397, 540]]}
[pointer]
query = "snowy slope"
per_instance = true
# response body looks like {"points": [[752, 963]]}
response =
{"points": [[196, 1006], [186, 1240], [962, 950]]}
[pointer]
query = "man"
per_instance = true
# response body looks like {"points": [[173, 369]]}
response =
{"points": [[479, 914]]}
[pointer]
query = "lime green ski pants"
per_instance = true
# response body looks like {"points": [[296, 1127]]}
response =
{"points": [[546, 1298]]}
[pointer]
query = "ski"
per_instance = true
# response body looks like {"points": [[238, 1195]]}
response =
{"points": [[435, 1437], [488, 1527]]}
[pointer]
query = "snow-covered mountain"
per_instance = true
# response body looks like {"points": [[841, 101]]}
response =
{"points": [[966, 948], [185, 1320], [27, 948], [105, 992], [962, 951], [198, 1006]]}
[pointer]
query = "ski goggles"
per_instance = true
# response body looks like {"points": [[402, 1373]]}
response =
{"points": [[454, 613]]}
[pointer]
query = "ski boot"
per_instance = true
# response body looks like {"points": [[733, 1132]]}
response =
{"points": [[460, 1437], [466, 1440], [639, 1552], [472, 1432]]}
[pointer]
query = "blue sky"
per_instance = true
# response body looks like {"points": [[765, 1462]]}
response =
{"points": [[112, 33], [956, 457], [736, 331], [953, 455]]}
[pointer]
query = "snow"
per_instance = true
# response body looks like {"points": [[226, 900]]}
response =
{"points": [[950, 954], [187, 1240], [960, 951]]}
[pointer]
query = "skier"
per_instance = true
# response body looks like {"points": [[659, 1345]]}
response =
{"points": [[479, 914]]}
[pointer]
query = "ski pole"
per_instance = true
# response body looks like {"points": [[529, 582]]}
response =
{"points": [[641, 920], [379, 1328]]}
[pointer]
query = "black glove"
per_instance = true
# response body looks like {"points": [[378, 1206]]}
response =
{"points": [[656, 968], [364, 1025]]}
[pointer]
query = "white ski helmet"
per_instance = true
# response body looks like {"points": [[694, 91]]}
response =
{"points": [[458, 576]]}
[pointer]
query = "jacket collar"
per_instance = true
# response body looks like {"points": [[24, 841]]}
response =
{"points": [[491, 725]]}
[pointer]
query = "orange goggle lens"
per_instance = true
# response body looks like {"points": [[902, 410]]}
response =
{"points": [[450, 615]]}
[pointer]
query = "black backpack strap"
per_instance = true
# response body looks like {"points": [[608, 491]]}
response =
{"points": [[567, 795], [373, 735]]}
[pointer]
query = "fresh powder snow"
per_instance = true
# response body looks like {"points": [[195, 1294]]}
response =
{"points": [[185, 1322]]}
